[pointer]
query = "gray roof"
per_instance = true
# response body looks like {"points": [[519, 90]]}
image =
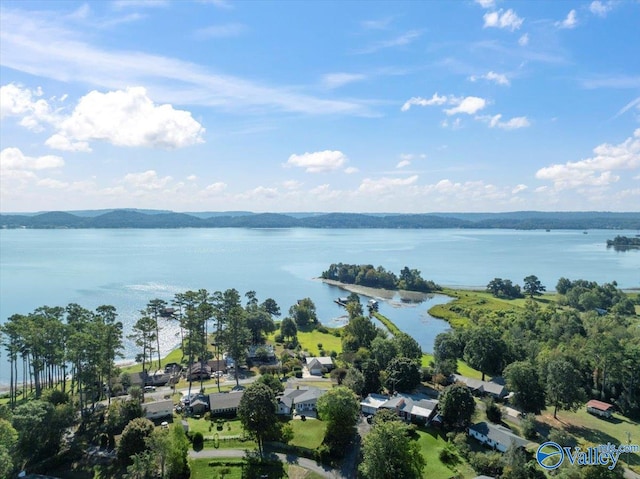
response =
{"points": [[230, 400], [415, 404], [290, 396], [499, 434], [482, 386], [157, 406]]}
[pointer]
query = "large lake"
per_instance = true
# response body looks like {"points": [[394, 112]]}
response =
{"points": [[127, 268]]}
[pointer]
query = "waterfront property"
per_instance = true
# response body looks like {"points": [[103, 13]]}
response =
{"points": [[319, 365], [300, 401], [415, 408], [225, 404], [482, 388]]}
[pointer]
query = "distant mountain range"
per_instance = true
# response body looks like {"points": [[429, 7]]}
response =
{"points": [[132, 218]]}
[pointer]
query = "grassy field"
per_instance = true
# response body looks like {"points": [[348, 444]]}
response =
{"points": [[431, 443], [307, 433], [309, 341], [593, 430]]}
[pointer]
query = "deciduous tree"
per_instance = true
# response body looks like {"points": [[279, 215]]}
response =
{"points": [[257, 412], [339, 408], [457, 406]]}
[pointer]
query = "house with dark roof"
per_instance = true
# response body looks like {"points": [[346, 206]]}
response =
{"points": [[198, 371], [600, 408], [158, 409], [496, 436], [225, 404], [482, 388]]}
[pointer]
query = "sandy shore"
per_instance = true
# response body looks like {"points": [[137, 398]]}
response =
{"points": [[386, 294]]}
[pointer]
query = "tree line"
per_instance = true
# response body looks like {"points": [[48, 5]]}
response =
{"points": [[379, 277]]}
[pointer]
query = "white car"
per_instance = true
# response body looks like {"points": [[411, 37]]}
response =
{"points": [[149, 389]]}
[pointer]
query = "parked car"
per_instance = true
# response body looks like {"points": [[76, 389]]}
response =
{"points": [[149, 389]]}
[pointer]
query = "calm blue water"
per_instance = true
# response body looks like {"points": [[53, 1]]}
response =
{"points": [[127, 268]]}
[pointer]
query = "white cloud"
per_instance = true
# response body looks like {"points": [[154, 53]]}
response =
{"points": [[25, 103], [217, 187], [147, 180], [192, 178], [336, 80], [319, 161], [518, 188], [512, 124], [291, 185], [220, 31], [523, 41], [60, 142], [120, 4], [419, 101], [499, 78], [403, 163], [52, 183], [509, 20], [42, 46], [384, 185], [469, 105], [128, 118], [14, 159], [350, 170], [632, 104], [570, 22], [401, 40], [486, 3], [598, 170], [600, 8], [454, 125]]}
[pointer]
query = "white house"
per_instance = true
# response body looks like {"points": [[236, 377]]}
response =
{"points": [[410, 407], [372, 403], [158, 409], [301, 400], [319, 364], [496, 436]]}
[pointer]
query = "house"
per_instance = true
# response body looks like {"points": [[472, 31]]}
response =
{"points": [[198, 406], [317, 365], [217, 365], [159, 378], [496, 436], [372, 403], [261, 352], [301, 400], [481, 388], [198, 371], [158, 409], [600, 408], [412, 407], [225, 404]]}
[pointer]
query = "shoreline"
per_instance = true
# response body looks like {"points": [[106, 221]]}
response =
{"points": [[384, 294]]}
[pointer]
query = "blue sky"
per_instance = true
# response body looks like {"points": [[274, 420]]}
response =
{"points": [[217, 105]]}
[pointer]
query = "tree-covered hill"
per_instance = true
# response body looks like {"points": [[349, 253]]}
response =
{"points": [[128, 218]]}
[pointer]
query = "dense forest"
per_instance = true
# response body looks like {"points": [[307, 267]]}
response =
{"points": [[372, 277], [166, 219]]}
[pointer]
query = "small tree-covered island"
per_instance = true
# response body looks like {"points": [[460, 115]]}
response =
{"points": [[254, 390], [624, 243]]}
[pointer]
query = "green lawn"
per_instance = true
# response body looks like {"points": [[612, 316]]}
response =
{"points": [[308, 434], [463, 368], [593, 430], [210, 468], [431, 442], [309, 341], [173, 357]]}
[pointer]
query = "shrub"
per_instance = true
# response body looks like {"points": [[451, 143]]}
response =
{"points": [[278, 338], [319, 346], [298, 374], [322, 329], [494, 414], [562, 437], [528, 424], [197, 441], [447, 456]]}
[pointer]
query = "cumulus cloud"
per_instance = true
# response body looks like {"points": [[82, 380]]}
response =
{"points": [[419, 101], [512, 124], [129, 118], [518, 188], [27, 104], [350, 170], [147, 180], [499, 78], [570, 22], [319, 161], [597, 170], [14, 159], [217, 187], [403, 163], [384, 185], [499, 19], [600, 8], [469, 105], [60, 142], [336, 80], [486, 3], [523, 41]]}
